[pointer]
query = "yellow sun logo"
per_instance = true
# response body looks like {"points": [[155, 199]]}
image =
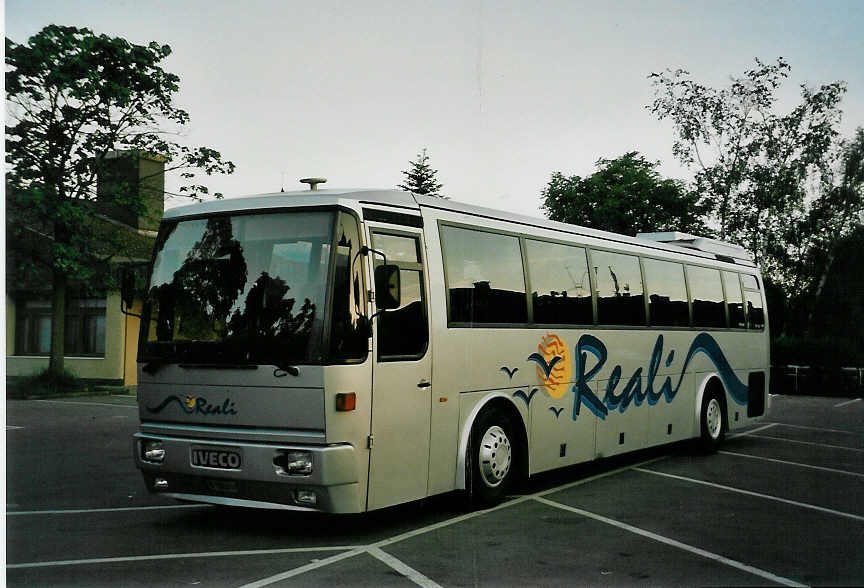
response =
{"points": [[556, 383], [190, 402]]}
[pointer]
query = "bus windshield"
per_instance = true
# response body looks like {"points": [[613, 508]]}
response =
{"points": [[244, 289]]}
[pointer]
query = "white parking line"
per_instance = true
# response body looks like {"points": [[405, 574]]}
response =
{"points": [[135, 406], [751, 493], [847, 403], [818, 429], [750, 432], [92, 510], [673, 543], [423, 530], [403, 568], [101, 560], [793, 463], [808, 443]]}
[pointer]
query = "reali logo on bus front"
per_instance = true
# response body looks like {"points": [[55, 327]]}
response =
{"points": [[554, 370], [197, 405]]}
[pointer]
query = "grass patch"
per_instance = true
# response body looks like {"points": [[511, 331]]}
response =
{"points": [[45, 383]]}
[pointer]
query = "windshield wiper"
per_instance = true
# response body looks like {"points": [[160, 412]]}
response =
{"points": [[282, 370], [154, 365], [218, 366]]}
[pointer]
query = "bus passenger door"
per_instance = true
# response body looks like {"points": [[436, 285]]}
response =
{"points": [[401, 377]]}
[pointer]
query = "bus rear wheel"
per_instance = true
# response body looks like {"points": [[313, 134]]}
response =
{"points": [[492, 466], [712, 421]]}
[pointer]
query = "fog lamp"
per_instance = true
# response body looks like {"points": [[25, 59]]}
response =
{"points": [[152, 451], [160, 484], [306, 497]]}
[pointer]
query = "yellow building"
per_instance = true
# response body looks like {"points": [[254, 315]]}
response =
{"points": [[101, 340]]}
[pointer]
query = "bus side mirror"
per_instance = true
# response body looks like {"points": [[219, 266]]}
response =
{"points": [[387, 287]]}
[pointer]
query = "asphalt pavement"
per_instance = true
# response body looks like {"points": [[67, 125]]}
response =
{"points": [[780, 504]]}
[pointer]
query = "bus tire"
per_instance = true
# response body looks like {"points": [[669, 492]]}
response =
{"points": [[492, 466], [712, 421]]}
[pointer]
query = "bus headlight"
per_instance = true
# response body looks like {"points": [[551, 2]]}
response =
{"points": [[293, 463], [152, 451]]}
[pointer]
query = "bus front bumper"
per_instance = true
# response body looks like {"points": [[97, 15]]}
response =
{"points": [[251, 474]]}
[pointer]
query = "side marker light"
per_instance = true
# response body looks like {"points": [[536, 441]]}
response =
{"points": [[346, 401]]}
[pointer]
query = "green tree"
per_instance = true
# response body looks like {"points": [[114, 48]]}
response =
{"points": [[76, 102], [421, 179], [752, 165], [625, 195]]}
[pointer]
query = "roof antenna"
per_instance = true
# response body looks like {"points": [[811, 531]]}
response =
{"points": [[313, 182]]}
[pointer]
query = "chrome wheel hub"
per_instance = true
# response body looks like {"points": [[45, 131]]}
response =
{"points": [[495, 456], [713, 419]]}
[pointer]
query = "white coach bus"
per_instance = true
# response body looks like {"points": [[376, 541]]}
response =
{"points": [[345, 351]]}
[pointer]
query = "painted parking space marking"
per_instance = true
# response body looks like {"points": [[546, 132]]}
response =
{"points": [[95, 510], [751, 493], [112, 405], [403, 568], [440, 525], [793, 463], [673, 543], [751, 431], [847, 403], [103, 560], [808, 443], [845, 432]]}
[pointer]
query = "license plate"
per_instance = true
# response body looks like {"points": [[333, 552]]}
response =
{"points": [[222, 459]]}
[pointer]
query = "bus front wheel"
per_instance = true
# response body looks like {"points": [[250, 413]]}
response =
{"points": [[712, 421], [491, 467]]}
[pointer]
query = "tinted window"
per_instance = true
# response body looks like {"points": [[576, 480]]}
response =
{"points": [[484, 277], [734, 302], [667, 293], [755, 308], [560, 284], [749, 282], [403, 332], [706, 292], [619, 289], [349, 336]]}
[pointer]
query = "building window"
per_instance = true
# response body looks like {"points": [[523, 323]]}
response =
{"points": [[85, 327]]}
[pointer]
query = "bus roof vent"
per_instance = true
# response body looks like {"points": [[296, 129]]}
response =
{"points": [[724, 251], [313, 182]]}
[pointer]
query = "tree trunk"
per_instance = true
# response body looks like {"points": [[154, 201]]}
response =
{"points": [[58, 324]]}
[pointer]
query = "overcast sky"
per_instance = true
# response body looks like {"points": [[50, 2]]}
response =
{"points": [[501, 93]]}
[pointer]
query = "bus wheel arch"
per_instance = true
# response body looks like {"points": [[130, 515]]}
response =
{"points": [[495, 412], [712, 414]]}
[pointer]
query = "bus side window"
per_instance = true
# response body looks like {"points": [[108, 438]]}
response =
{"points": [[734, 301], [403, 333], [755, 308], [620, 296], [485, 282], [667, 293], [560, 284], [706, 294]]}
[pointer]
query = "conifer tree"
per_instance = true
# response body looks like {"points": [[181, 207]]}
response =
{"points": [[421, 179]]}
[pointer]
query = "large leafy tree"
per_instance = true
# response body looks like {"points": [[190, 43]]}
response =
{"points": [[76, 103], [625, 195], [753, 165], [421, 178]]}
